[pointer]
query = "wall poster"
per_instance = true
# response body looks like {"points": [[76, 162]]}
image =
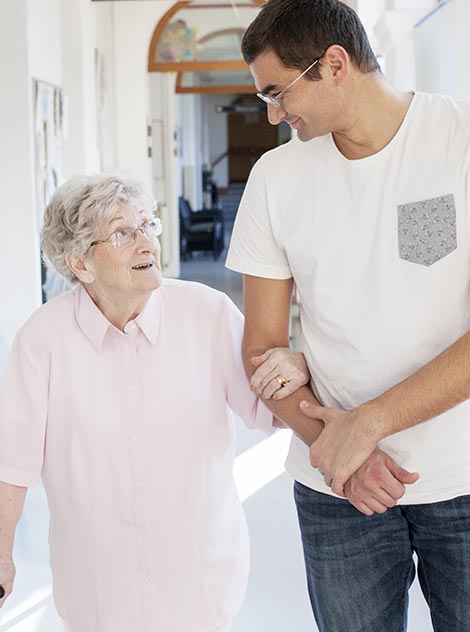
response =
{"points": [[49, 124]]}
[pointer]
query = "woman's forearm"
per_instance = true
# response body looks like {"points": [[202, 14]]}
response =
{"points": [[11, 505]]}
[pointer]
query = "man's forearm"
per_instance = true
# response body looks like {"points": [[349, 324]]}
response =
{"points": [[350, 437], [287, 410], [11, 505], [438, 386], [267, 308]]}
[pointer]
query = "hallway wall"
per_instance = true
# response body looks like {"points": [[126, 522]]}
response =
{"points": [[19, 251], [442, 57], [52, 41], [55, 41]]}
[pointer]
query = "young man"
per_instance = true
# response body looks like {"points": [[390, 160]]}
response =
{"points": [[368, 212]]}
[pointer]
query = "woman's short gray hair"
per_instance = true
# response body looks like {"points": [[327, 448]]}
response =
{"points": [[76, 210]]}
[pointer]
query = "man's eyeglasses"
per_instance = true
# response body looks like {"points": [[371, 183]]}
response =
{"points": [[124, 236], [276, 99]]}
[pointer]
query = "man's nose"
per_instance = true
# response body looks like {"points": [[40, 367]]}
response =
{"points": [[275, 115]]}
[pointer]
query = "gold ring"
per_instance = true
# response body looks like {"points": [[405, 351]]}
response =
{"points": [[282, 381]]}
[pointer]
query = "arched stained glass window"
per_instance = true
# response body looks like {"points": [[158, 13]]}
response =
{"points": [[197, 36]]}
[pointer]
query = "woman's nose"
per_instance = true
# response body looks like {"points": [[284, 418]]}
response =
{"points": [[145, 242]]}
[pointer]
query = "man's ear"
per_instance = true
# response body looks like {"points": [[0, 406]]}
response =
{"points": [[338, 62], [80, 268]]}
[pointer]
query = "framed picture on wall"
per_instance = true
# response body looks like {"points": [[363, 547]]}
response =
{"points": [[49, 127]]}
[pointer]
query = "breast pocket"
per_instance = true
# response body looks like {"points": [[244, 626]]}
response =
{"points": [[427, 230]]}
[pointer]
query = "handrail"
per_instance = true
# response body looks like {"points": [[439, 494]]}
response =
{"points": [[220, 158]]}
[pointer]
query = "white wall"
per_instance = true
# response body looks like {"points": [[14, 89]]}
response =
{"points": [[44, 40], [463, 54], [407, 5], [192, 146], [74, 89], [93, 35], [370, 13], [216, 125], [167, 185], [443, 50], [437, 47], [395, 40], [134, 23], [53, 41], [86, 26], [19, 240]]}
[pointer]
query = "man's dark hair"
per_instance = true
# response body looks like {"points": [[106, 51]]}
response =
{"points": [[299, 31]]}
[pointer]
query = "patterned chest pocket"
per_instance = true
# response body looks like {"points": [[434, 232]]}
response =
{"points": [[427, 230]]}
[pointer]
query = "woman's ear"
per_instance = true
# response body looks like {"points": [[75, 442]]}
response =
{"points": [[80, 268]]}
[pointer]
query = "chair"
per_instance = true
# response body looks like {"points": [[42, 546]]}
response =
{"points": [[200, 230]]}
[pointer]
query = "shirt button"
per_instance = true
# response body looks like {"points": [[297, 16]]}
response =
{"points": [[135, 438], [131, 387], [148, 578], [138, 485], [132, 325]]}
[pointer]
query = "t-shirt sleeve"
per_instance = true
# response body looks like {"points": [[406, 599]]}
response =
{"points": [[239, 397], [254, 248], [23, 412]]}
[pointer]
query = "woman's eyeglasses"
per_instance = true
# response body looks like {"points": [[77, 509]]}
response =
{"points": [[124, 236]]}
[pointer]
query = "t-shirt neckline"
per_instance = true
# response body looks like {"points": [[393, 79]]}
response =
{"points": [[385, 150]]}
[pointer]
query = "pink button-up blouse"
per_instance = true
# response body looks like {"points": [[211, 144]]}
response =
{"points": [[133, 436]]}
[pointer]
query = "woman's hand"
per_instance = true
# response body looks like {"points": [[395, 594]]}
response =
{"points": [[7, 575], [280, 372]]}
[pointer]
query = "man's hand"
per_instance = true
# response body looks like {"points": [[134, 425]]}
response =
{"points": [[7, 575], [345, 443], [274, 363], [378, 484]]}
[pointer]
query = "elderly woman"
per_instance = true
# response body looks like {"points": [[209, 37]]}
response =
{"points": [[119, 394]]}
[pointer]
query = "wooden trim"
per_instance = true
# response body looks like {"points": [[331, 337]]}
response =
{"points": [[233, 89], [199, 66], [213, 34], [213, 5], [216, 90]]}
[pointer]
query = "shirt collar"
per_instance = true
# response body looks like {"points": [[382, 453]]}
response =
{"points": [[95, 325], [149, 318]]}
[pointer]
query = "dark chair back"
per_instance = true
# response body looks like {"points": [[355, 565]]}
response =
{"points": [[200, 230], [185, 212]]}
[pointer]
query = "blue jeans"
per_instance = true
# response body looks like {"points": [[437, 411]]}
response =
{"points": [[359, 568]]}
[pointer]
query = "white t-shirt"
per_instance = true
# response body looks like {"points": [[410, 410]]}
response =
{"points": [[379, 249]]}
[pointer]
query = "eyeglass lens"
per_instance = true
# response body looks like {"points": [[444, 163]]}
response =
{"points": [[150, 229]]}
